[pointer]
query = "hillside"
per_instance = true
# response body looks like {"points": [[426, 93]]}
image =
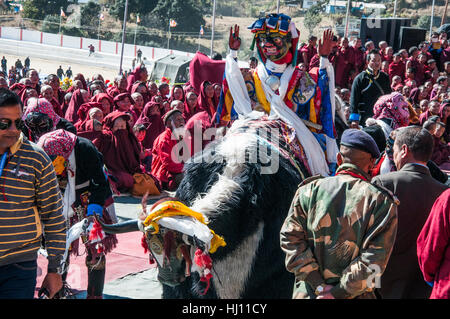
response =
{"points": [[240, 12]]}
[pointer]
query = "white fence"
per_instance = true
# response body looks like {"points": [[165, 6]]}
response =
{"points": [[102, 46]]}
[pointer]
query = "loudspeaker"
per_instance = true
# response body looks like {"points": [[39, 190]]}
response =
{"points": [[410, 37], [383, 29]]}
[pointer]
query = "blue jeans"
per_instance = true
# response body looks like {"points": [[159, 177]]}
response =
{"points": [[18, 281]]}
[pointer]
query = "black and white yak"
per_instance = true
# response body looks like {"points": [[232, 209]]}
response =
{"points": [[243, 184]]}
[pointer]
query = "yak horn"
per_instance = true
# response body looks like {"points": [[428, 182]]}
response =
{"points": [[119, 228]]}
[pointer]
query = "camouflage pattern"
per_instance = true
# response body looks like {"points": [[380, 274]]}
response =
{"points": [[337, 229]]}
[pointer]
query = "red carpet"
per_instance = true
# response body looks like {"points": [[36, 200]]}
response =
{"points": [[128, 257]]}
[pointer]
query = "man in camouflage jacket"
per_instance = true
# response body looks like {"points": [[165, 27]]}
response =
{"points": [[340, 230]]}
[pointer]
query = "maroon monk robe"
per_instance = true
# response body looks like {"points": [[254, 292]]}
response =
{"points": [[310, 53], [385, 57], [187, 114], [358, 59], [88, 131], [424, 117], [80, 77], [61, 94], [201, 121], [433, 248], [202, 68], [344, 64], [99, 99], [83, 114], [133, 77], [153, 123], [145, 96], [419, 70], [444, 57], [164, 168], [75, 102], [17, 86], [135, 113], [113, 91], [397, 69], [441, 152], [24, 95], [121, 151], [57, 107], [202, 100]]}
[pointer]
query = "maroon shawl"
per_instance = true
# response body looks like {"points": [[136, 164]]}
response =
{"points": [[424, 117], [135, 113], [133, 77], [74, 105], [100, 97], [88, 131], [113, 91], [145, 96], [120, 149], [18, 86], [120, 97], [202, 68], [202, 100], [61, 95], [83, 114], [203, 121], [80, 77], [153, 123]]}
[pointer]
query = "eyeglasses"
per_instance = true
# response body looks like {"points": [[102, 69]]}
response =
{"points": [[6, 124]]}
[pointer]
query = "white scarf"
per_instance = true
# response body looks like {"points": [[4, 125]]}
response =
{"points": [[314, 153], [69, 193], [275, 68]]}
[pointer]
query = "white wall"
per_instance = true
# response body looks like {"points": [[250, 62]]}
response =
{"points": [[74, 43]]}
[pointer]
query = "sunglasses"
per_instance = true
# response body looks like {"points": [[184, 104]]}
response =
{"points": [[6, 124]]}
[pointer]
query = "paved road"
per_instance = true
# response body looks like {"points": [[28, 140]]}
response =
{"points": [[62, 55]]}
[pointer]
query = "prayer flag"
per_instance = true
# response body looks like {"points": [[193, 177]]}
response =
{"points": [[62, 13], [173, 23]]}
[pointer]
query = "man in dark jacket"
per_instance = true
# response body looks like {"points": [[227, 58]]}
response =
{"points": [[86, 190], [417, 192], [367, 87], [4, 67], [27, 62]]}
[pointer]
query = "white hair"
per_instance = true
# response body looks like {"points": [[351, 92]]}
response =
{"points": [[93, 111], [136, 94], [45, 87]]}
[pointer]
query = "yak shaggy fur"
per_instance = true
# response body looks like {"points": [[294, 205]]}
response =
{"points": [[248, 209]]}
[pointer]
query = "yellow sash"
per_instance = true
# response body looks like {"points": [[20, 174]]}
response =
{"points": [[260, 95]]}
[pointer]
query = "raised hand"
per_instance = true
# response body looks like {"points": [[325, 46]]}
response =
{"points": [[326, 43], [234, 41]]}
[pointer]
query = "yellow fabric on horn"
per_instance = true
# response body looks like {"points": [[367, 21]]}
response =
{"points": [[175, 208]]}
